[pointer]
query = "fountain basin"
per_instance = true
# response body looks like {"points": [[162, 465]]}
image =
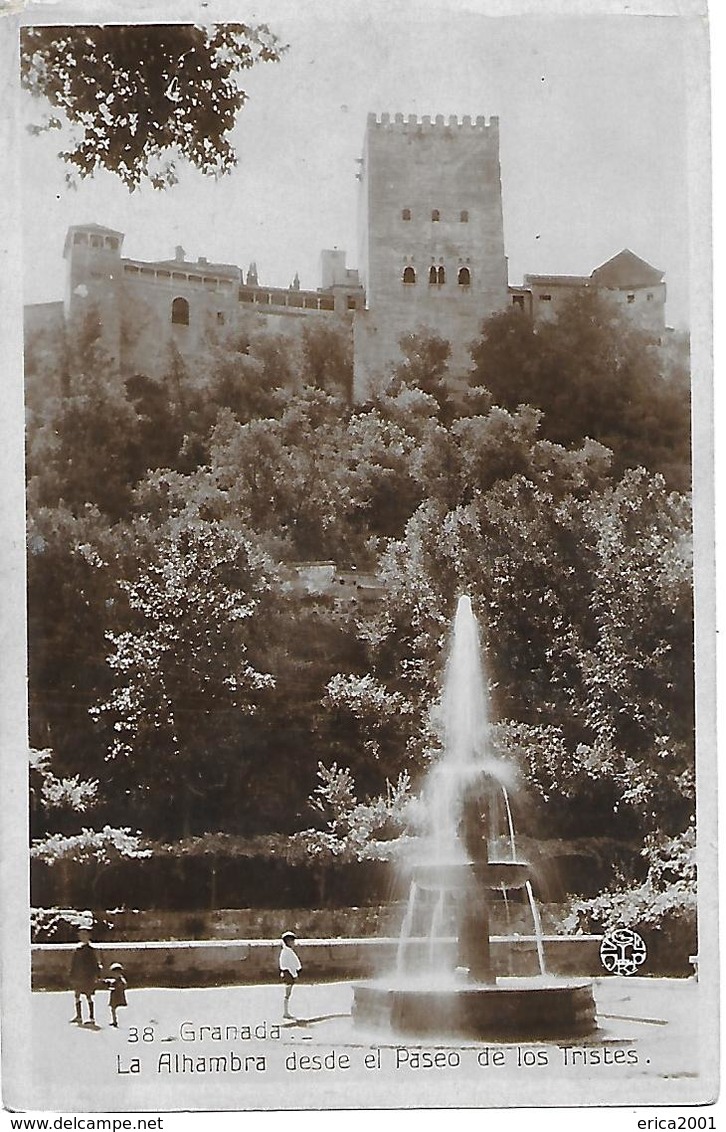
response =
{"points": [[511, 1009]]}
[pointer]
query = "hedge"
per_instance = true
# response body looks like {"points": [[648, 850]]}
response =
{"points": [[225, 872]]}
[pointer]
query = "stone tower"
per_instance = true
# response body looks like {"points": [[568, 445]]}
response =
{"points": [[94, 281], [431, 236]]}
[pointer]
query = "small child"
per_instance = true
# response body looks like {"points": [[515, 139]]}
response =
{"points": [[290, 967], [117, 990], [85, 974]]}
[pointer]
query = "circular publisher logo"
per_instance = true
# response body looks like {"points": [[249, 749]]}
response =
{"points": [[622, 952]]}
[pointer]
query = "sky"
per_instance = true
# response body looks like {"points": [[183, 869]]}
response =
{"points": [[594, 137]]}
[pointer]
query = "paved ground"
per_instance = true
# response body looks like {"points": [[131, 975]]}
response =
{"points": [[230, 1048]]}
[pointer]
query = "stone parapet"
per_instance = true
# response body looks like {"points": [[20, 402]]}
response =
{"points": [[223, 962]]}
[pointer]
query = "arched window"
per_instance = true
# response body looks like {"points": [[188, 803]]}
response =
{"points": [[441, 275], [406, 214], [464, 216], [180, 312], [409, 275], [464, 277], [435, 215], [433, 277]]}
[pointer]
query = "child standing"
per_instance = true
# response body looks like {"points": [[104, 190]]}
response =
{"points": [[117, 990], [85, 973], [290, 967]]}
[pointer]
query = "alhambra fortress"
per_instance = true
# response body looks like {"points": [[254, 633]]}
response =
{"points": [[431, 255]]}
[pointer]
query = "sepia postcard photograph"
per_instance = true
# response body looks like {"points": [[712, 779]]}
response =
{"points": [[358, 630]]}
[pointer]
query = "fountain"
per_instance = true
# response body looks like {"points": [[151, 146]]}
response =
{"points": [[445, 981]]}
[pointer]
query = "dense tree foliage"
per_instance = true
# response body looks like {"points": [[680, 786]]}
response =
{"points": [[425, 366], [85, 444], [139, 96], [327, 359], [586, 613], [178, 657], [184, 682], [593, 374], [73, 566]]}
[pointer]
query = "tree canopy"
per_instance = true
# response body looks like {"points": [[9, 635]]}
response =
{"points": [[139, 96], [593, 374], [184, 682]]}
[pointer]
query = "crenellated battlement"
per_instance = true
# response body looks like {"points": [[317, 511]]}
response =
{"points": [[400, 123]]}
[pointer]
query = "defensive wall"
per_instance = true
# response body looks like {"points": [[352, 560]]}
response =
{"points": [[148, 309], [636, 290]]}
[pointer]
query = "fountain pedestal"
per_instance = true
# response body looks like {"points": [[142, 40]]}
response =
{"points": [[474, 929], [474, 943]]}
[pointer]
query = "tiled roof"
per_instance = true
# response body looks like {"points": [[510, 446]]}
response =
{"points": [[626, 269], [94, 228]]}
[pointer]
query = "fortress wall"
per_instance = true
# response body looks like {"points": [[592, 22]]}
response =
{"points": [[644, 312], [43, 318], [147, 310], [148, 331], [642, 305], [548, 298], [215, 311]]}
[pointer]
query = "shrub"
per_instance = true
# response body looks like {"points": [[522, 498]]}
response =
{"points": [[99, 846], [663, 907], [61, 925]]}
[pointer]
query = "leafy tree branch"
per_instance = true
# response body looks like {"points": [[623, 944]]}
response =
{"points": [[138, 97]]}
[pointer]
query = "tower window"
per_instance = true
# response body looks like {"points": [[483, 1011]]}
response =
{"points": [[96, 242], [435, 215], [518, 301], [406, 214], [649, 296], [464, 216], [180, 312], [433, 277], [441, 275], [631, 298], [409, 275], [464, 277]]}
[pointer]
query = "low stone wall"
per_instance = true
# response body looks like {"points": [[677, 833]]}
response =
{"points": [[230, 962]]}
